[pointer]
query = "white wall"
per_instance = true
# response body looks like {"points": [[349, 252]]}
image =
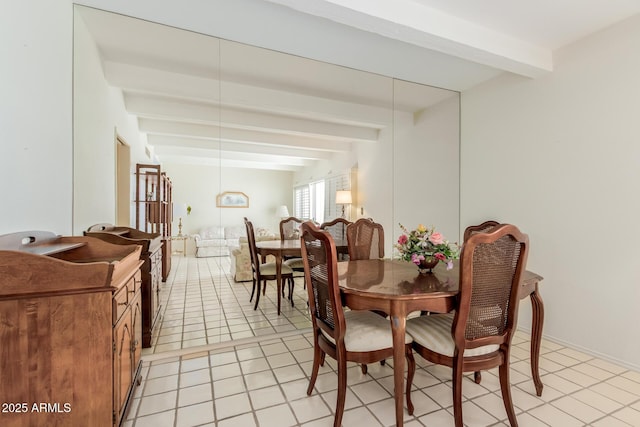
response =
{"points": [[99, 114], [426, 152], [35, 116], [198, 185], [559, 156]]}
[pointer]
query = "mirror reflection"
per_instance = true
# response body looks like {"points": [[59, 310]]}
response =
{"points": [[287, 132]]}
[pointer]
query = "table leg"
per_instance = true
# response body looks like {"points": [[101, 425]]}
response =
{"points": [[398, 329], [536, 337]]}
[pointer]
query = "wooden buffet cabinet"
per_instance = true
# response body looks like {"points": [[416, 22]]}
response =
{"points": [[70, 330], [151, 269]]}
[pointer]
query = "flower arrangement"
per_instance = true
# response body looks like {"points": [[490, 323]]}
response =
{"points": [[426, 244]]}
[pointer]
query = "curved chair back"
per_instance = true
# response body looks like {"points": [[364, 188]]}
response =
{"points": [[480, 228], [290, 228], [251, 242], [321, 275], [365, 239], [337, 228], [491, 265]]}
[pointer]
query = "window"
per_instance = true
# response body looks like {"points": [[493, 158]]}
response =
{"points": [[317, 200], [309, 201]]}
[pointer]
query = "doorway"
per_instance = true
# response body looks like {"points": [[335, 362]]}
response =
{"points": [[123, 182]]}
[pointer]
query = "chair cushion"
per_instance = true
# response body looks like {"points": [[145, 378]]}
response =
{"points": [[367, 331], [269, 269], [434, 332], [295, 263]]}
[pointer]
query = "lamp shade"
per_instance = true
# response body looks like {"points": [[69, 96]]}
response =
{"points": [[282, 211], [343, 197]]}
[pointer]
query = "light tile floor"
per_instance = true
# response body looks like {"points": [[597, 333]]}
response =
{"points": [[260, 378]]}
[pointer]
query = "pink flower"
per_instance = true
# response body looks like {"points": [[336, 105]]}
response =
{"points": [[402, 239], [436, 238], [415, 258], [440, 256]]}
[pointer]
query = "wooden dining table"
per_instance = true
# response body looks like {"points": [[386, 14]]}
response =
{"points": [[398, 289]]}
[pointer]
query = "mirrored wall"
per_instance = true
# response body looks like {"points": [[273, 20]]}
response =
{"points": [[222, 117]]}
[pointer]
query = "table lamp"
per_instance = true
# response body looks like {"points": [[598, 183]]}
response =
{"points": [[282, 212], [343, 197]]}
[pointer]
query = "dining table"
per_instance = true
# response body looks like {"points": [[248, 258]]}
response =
{"points": [[398, 289]]}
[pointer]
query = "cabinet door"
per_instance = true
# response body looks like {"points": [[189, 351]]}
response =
{"points": [[136, 322], [123, 336]]}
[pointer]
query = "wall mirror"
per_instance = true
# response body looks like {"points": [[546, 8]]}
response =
{"points": [[223, 116]]}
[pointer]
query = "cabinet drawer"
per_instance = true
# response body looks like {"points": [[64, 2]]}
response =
{"points": [[133, 285], [120, 304]]}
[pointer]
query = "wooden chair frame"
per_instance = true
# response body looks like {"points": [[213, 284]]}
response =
{"points": [[500, 357], [323, 346]]}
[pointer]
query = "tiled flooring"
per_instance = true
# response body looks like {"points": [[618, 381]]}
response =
{"points": [[260, 378]]}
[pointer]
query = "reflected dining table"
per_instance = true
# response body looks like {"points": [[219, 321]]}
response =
{"points": [[281, 248], [398, 289]]}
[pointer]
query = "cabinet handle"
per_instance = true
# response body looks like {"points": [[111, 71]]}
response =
{"points": [[123, 303]]}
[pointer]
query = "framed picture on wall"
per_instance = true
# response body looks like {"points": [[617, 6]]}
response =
{"points": [[232, 199]]}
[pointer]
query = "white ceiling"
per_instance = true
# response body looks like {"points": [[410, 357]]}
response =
{"points": [[263, 109]]}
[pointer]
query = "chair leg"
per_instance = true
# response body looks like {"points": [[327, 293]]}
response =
{"points": [[292, 285], [505, 387], [457, 391], [342, 390], [255, 307], [363, 368], [318, 360], [253, 289], [411, 370], [477, 377]]}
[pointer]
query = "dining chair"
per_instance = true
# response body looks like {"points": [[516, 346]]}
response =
{"points": [[480, 228], [468, 232], [290, 230], [478, 336], [365, 239], [338, 230], [263, 271], [346, 336]]}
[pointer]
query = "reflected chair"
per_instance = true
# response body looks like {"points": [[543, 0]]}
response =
{"points": [[365, 239], [263, 271], [355, 336], [290, 230], [478, 336], [338, 230]]}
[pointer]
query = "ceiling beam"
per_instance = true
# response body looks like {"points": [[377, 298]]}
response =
{"points": [[192, 130], [138, 82], [231, 146], [411, 22]]}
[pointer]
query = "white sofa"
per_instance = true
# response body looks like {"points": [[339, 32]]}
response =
{"points": [[217, 240]]}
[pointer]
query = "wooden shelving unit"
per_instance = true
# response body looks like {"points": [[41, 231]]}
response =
{"points": [[154, 208]]}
